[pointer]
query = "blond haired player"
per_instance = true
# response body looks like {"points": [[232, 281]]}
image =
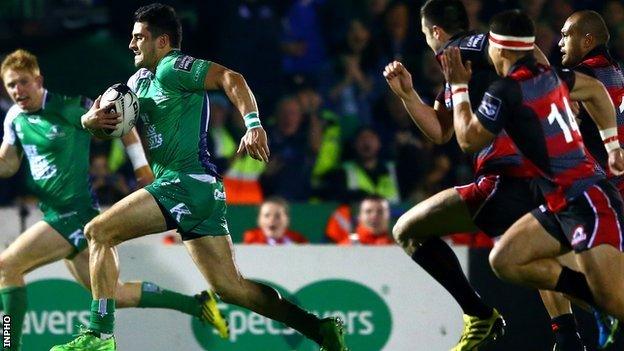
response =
{"points": [[46, 128]]}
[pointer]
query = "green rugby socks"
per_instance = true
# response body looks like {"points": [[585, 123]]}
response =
{"points": [[153, 296], [102, 320], [15, 302]]}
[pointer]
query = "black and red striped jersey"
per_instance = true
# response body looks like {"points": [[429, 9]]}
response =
{"points": [[599, 64], [501, 156], [532, 104]]}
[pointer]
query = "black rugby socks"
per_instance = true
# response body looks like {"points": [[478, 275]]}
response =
{"points": [[439, 260]]}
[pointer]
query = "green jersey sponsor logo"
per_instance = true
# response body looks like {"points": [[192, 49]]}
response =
{"points": [[180, 210], [154, 139], [40, 167], [366, 315], [56, 307]]}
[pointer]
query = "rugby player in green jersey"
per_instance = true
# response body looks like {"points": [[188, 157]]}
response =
{"points": [[46, 128], [188, 193]]}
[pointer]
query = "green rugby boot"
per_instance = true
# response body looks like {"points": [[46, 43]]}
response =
{"points": [[210, 313], [86, 341], [332, 331], [479, 332]]}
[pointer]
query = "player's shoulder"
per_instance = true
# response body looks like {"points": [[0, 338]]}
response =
{"points": [[585, 69], [503, 87], [12, 114], [67, 105], [179, 63], [135, 80], [475, 42], [502, 92], [71, 100], [174, 63]]}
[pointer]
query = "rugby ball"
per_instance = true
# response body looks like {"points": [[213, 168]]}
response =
{"points": [[126, 103]]}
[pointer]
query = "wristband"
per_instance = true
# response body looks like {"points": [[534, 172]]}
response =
{"points": [[252, 120], [610, 138], [459, 88], [136, 155], [459, 93]]}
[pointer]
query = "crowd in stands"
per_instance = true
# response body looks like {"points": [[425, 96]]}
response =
{"points": [[336, 132]]}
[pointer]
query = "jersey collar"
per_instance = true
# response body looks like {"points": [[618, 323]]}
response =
{"points": [[170, 53], [454, 38], [598, 57], [527, 63], [45, 99]]}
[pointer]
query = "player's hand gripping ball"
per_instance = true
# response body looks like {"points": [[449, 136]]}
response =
{"points": [[114, 113]]}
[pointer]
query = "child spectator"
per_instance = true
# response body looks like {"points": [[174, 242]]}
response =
{"points": [[273, 222], [373, 224]]}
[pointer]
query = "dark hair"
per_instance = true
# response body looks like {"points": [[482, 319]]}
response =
{"points": [[450, 15], [512, 22], [590, 22], [161, 19]]}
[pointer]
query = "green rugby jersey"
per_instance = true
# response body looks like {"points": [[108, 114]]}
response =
{"points": [[57, 149], [175, 112]]}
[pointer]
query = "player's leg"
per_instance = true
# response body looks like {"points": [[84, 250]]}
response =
{"points": [[147, 294], [526, 255], [134, 216], [452, 211], [127, 294], [562, 321], [604, 268], [37, 246], [214, 257], [419, 230]]}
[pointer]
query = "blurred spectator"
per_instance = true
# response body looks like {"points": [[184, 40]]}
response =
{"points": [[533, 8], [288, 172], [107, 187], [434, 179], [240, 172], [250, 45], [398, 39], [408, 148], [473, 9], [546, 39], [325, 131], [273, 222], [302, 42], [431, 80], [222, 141], [617, 41], [613, 14], [372, 227], [351, 94], [559, 11], [366, 175]]}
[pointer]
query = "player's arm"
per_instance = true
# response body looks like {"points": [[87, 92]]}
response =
{"points": [[10, 152], [594, 97], [136, 154], [472, 136], [10, 159], [435, 123], [100, 117], [254, 142]]}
